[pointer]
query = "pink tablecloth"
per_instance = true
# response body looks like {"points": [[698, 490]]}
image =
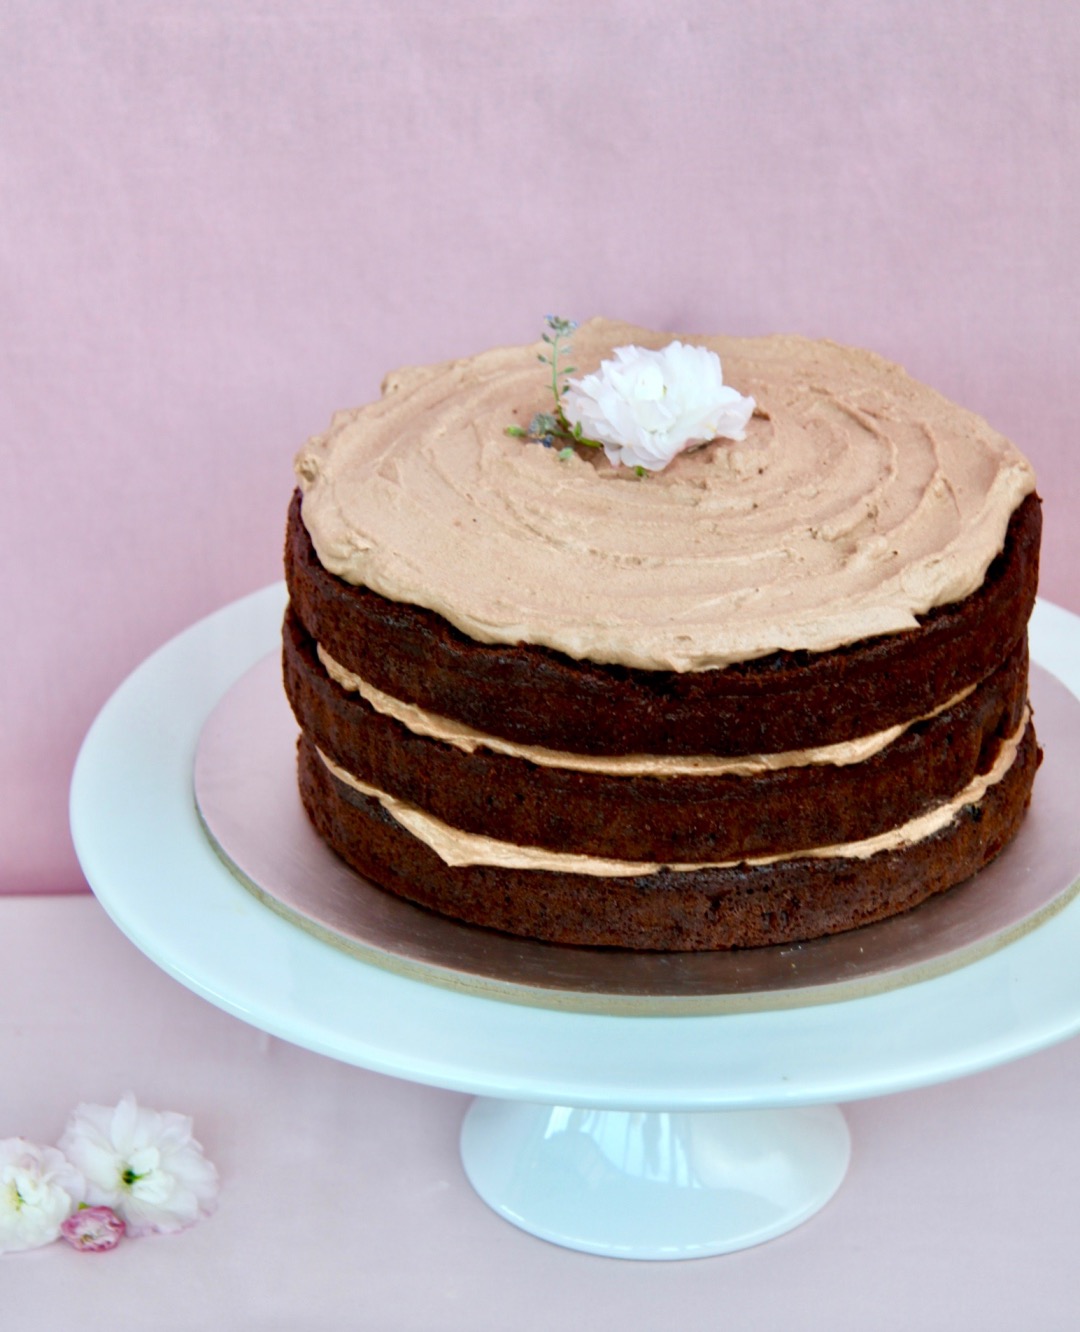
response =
{"points": [[344, 1205]]}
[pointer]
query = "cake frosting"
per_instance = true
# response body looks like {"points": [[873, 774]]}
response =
{"points": [[422, 497]]}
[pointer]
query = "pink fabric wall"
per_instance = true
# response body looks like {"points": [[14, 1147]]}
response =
{"points": [[221, 221]]}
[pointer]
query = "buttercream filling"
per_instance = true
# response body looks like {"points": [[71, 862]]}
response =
{"points": [[858, 501], [466, 738], [455, 847]]}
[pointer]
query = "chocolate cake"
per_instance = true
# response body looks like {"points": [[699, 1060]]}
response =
{"points": [[775, 690]]}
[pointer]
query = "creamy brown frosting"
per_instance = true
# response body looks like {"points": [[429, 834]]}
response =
{"points": [[455, 847], [468, 739], [859, 500]]}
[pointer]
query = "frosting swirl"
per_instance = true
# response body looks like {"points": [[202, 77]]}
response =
{"points": [[859, 500]]}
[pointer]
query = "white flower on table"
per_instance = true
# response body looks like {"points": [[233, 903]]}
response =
{"points": [[144, 1164], [39, 1190], [646, 406]]}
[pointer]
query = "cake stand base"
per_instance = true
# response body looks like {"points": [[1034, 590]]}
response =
{"points": [[659, 1184]]}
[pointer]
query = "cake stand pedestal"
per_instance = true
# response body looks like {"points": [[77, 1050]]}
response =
{"points": [[637, 1136], [654, 1184]]}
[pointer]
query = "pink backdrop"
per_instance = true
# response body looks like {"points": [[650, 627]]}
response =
{"points": [[221, 221]]}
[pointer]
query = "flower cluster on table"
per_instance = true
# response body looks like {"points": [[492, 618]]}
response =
{"points": [[117, 1170]]}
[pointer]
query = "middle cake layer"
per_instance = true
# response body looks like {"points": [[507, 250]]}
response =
{"points": [[687, 817]]}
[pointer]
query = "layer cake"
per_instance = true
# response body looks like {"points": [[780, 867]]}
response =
{"points": [[774, 690]]}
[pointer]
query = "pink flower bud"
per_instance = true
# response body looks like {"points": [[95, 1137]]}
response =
{"points": [[93, 1229]]}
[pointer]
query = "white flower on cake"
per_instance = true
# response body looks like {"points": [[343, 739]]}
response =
{"points": [[646, 406], [39, 1190], [144, 1164]]}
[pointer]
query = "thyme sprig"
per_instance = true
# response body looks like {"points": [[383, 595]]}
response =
{"points": [[547, 427], [558, 339]]}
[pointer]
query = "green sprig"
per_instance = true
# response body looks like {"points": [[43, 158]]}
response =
{"points": [[546, 427], [558, 339]]}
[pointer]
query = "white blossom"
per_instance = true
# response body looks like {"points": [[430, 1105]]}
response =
{"points": [[647, 406], [144, 1164], [39, 1190]]}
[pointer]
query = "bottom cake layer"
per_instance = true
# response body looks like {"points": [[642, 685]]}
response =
{"points": [[713, 907]]}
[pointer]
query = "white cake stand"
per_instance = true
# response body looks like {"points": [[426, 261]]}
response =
{"points": [[638, 1137]]}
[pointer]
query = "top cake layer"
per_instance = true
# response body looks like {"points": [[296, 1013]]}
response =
{"points": [[858, 500]]}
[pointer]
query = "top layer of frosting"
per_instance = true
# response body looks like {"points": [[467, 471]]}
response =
{"points": [[858, 500]]}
